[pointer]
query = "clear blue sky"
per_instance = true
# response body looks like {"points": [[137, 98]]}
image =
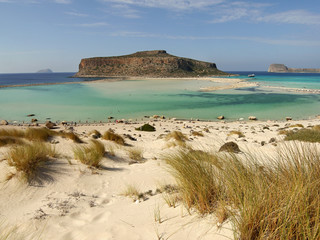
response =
{"points": [[236, 35]]}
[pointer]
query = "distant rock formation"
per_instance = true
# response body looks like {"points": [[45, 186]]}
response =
{"points": [[281, 68], [45, 71], [156, 63]]}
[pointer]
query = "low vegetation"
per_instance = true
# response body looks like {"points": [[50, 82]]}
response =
{"points": [[305, 135], [176, 135], [135, 153], [234, 132], [197, 134], [38, 134], [147, 128], [278, 200], [29, 158], [90, 155], [111, 136], [10, 141]]}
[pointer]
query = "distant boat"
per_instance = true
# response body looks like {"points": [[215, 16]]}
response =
{"points": [[251, 75]]}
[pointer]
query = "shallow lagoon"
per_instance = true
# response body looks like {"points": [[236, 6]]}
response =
{"points": [[135, 99]]}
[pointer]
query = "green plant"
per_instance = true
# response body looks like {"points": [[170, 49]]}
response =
{"points": [[90, 155], [147, 128], [305, 135], [111, 136], [29, 158]]}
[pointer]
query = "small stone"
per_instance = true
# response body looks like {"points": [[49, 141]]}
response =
{"points": [[288, 118], [220, 117], [34, 120], [253, 118], [263, 143], [272, 140]]}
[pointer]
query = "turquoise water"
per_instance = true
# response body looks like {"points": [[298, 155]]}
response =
{"points": [[171, 98]]}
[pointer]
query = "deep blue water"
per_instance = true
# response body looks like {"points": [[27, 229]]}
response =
{"points": [[35, 78]]}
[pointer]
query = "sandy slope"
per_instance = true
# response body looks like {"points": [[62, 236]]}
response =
{"points": [[74, 202]]}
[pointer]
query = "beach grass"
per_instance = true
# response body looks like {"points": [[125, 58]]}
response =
{"points": [[276, 200], [197, 134], [90, 155], [10, 141], [305, 135], [234, 132], [28, 159], [176, 135], [111, 136], [135, 153]]}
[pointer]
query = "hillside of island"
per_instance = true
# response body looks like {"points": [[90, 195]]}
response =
{"points": [[157, 63], [281, 68]]}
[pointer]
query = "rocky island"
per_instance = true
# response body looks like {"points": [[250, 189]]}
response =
{"points": [[281, 68], [47, 70], [157, 63]]}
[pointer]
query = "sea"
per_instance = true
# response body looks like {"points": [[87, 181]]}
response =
{"points": [[85, 101]]}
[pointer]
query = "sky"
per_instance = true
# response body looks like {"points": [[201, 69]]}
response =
{"points": [[236, 35]]}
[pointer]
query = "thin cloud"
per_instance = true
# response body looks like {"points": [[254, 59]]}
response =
{"points": [[123, 10], [292, 17], [96, 24], [76, 14], [169, 4], [286, 42], [63, 1]]}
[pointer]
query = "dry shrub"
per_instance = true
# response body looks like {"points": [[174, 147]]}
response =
{"points": [[90, 155], [10, 141], [70, 135], [240, 134], [28, 159], [176, 135], [111, 136], [39, 134], [197, 134], [135, 154], [11, 133], [277, 200], [95, 133], [296, 125]]}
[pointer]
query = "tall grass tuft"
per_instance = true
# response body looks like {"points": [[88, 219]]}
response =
{"points": [[11, 133], [29, 158], [198, 178], [10, 141], [276, 200], [90, 155], [111, 136], [135, 154], [176, 135], [72, 136], [305, 135]]}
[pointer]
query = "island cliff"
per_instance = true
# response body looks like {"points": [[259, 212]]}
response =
{"points": [[156, 63], [281, 68]]}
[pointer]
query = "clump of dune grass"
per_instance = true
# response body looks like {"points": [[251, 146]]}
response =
{"points": [[305, 135], [111, 136], [276, 200], [10, 141], [296, 125], [90, 155], [72, 136], [95, 133], [28, 159], [133, 192], [12, 133], [197, 134], [234, 132], [197, 177], [38, 134], [176, 135], [135, 153]]}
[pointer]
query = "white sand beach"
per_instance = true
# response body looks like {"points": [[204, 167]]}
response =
{"points": [[77, 202]]}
